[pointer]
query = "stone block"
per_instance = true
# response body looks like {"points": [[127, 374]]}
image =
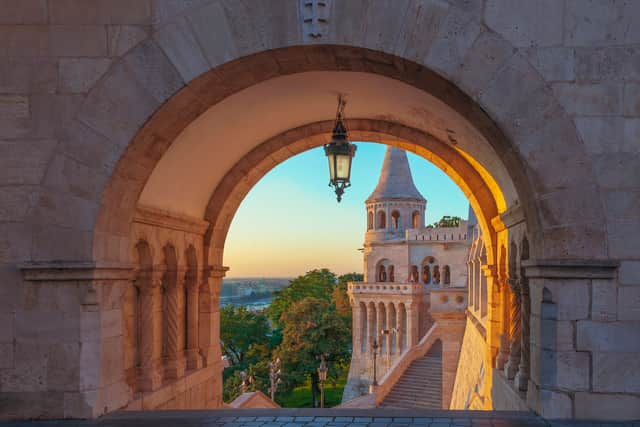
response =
{"points": [[601, 134], [28, 75], [383, 24], [552, 404], [622, 238], [15, 246], [608, 337], [604, 304], [165, 11], [629, 272], [15, 203], [111, 361], [629, 303], [457, 34], [153, 69], [526, 24], [610, 63], [118, 106], [212, 31], [590, 98], [556, 64], [29, 372], [100, 12], [617, 170], [600, 406], [487, 54], [568, 370], [6, 327], [67, 175], [632, 99], [64, 210], [46, 327], [59, 40], [423, 21], [601, 23], [121, 38], [89, 365], [63, 366], [23, 12], [78, 75], [556, 335], [571, 296], [616, 372], [6, 355], [45, 243], [180, 45], [81, 404], [24, 162]]}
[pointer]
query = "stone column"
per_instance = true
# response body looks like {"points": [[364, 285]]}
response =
{"points": [[371, 326], [194, 358], [503, 351], [522, 377], [150, 374], [175, 363], [356, 320], [515, 330], [412, 325], [209, 315], [390, 325]]}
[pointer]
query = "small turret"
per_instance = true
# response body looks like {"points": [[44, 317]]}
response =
{"points": [[396, 204]]}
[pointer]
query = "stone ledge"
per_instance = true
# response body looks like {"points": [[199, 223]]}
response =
{"points": [[571, 269], [160, 218], [51, 271]]}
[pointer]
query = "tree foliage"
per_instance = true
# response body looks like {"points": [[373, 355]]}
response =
{"points": [[243, 334], [312, 327], [315, 284], [446, 221]]}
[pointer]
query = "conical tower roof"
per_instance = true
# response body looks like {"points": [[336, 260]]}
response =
{"points": [[395, 180]]}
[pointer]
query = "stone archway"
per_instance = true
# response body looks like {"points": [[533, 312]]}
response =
{"points": [[119, 127]]}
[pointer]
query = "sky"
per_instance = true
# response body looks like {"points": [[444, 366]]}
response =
{"points": [[291, 223]]}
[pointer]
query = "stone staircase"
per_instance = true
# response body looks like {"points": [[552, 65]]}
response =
{"points": [[421, 384]]}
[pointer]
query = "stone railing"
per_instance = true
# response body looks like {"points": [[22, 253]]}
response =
{"points": [[439, 234], [396, 371], [393, 288]]}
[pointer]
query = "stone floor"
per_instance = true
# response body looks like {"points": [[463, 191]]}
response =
{"points": [[319, 418]]}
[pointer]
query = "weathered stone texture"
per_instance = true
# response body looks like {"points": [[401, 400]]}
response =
{"points": [[601, 23], [28, 75], [554, 63], [616, 372], [100, 12], [629, 303], [612, 336], [590, 99], [590, 406], [121, 38], [181, 46], [604, 301], [535, 23], [78, 75], [63, 40], [629, 273]]}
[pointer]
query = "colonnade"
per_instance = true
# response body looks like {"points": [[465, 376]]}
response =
{"points": [[164, 326], [392, 325]]}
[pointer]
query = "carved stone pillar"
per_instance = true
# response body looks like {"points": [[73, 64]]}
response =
{"points": [[515, 330], [412, 325], [150, 371], [390, 325], [522, 377], [194, 358], [175, 363], [503, 351], [356, 321], [371, 326], [209, 315]]}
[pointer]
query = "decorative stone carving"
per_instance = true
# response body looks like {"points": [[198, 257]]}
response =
{"points": [[315, 18], [515, 330]]}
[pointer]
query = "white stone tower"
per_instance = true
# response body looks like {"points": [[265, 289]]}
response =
{"points": [[404, 263]]}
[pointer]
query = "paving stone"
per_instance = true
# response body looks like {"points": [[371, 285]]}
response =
{"points": [[343, 419], [304, 419]]}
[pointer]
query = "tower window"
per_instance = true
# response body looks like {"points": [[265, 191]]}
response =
{"points": [[382, 220], [369, 220], [415, 219], [395, 220]]}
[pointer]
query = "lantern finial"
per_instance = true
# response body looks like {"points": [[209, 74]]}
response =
{"points": [[339, 153]]}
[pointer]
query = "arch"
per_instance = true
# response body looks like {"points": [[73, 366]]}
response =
{"points": [[414, 275], [426, 274], [370, 220], [395, 220], [382, 326], [392, 273], [416, 220], [436, 275], [447, 275], [381, 220], [363, 328], [382, 273], [372, 318], [392, 323], [402, 323]]}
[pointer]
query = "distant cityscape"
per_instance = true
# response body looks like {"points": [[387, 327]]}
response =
{"points": [[253, 293]]}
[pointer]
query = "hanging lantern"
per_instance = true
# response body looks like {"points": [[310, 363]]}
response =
{"points": [[340, 153]]}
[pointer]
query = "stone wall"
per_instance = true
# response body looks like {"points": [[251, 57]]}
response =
{"points": [[468, 388]]}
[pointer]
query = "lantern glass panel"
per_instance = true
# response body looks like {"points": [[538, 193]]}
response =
{"points": [[343, 166], [332, 169]]}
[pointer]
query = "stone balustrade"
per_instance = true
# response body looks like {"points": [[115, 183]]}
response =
{"points": [[386, 288]]}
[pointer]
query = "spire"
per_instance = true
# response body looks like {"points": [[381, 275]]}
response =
{"points": [[395, 178]]}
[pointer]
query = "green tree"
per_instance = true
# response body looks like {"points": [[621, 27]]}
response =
{"points": [[341, 298], [245, 335], [312, 327], [315, 284]]}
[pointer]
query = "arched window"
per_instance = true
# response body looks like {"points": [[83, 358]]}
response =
{"points": [[415, 219], [382, 273], [370, 220], [426, 275], [413, 276], [436, 275], [382, 220], [447, 275], [392, 277], [395, 220]]}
